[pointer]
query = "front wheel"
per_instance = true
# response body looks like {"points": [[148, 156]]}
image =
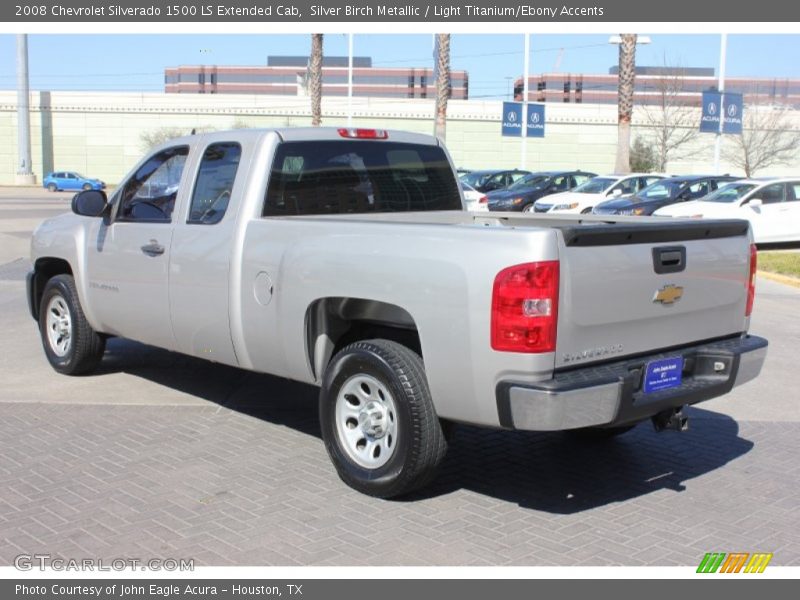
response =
{"points": [[378, 421], [52, 187], [87, 186], [71, 345], [529, 208]]}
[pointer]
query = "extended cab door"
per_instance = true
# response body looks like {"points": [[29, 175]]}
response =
{"points": [[202, 250], [128, 255]]}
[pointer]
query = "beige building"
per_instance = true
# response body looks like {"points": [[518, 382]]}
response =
{"points": [[100, 134]]}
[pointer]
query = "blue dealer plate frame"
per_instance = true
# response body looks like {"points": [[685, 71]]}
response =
{"points": [[663, 374]]}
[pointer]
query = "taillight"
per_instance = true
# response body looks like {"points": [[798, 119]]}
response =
{"points": [[364, 134], [483, 200], [751, 282], [525, 308]]}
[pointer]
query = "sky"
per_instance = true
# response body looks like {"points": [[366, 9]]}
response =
{"points": [[136, 62]]}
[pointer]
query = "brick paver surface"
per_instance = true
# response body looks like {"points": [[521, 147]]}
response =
{"points": [[251, 485]]}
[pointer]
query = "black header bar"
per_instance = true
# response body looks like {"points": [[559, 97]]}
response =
{"points": [[415, 11]]}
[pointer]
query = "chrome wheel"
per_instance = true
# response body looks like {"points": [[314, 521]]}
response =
{"points": [[366, 421], [59, 326]]}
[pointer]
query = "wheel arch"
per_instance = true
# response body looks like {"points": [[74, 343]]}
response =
{"points": [[334, 322], [44, 269]]}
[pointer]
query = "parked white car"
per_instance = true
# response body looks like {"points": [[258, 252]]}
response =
{"points": [[598, 189], [473, 199], [772, 207]]}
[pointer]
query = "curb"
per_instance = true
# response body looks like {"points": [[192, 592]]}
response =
{"points": [[785, 279]]}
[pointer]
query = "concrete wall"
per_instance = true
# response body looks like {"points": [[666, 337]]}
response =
{"points": [[100, 134]]}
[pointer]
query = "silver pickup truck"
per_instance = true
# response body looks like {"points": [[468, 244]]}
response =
{"points": [[343, 258]]}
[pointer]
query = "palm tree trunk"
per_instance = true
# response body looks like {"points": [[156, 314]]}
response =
{"points": [[442, 83], [627, 74], [315, 79]]}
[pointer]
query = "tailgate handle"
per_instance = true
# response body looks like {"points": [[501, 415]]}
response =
{"points": [[669, 259]]}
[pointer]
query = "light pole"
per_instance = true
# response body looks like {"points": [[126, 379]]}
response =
{"points": [[24, 174], [723, 48]]}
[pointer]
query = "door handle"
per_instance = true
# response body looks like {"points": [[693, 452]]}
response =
{"points": [[153, 248]]}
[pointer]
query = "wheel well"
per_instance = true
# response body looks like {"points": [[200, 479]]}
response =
{"points": [[333, 323], [43, 270]]}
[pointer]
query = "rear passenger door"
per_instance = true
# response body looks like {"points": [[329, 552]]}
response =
{"points": [[779, 214], [202, 249]]}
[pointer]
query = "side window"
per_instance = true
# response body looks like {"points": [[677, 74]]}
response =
{"points": [[772, 194], [697, 190], [149, 195], [561, 183], [579, 180], [516, 176], [793, 192], [214, 185], [645, 181], [628, 186]]}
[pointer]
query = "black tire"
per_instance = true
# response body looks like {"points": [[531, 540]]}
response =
{"points": [[419, 444], [529, 208], [52, 187], [87, 186], [599, 434], [586, 211], [84, 349]]}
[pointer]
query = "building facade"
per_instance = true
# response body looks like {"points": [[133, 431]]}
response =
{"points": [[682, 85], [287, 76]]}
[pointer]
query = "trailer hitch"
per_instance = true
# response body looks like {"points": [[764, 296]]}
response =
{"points": [[673, 419]]}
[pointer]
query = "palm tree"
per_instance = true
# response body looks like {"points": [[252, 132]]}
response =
{"points": [[442, 82], [315, 79], [627, 74]]}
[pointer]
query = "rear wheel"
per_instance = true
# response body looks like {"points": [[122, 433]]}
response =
{"points": [[52, 187], [71, 345], [378, 421]]}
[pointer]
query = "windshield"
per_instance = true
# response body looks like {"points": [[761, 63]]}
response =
{"points": [[531, 180], [660, 190], [598, 185], [730, 193]]}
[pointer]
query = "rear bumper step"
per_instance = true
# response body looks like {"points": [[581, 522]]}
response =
{"points": [[612, 394]]}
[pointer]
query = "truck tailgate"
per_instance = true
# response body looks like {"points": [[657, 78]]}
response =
{"points": [[629, 289]]}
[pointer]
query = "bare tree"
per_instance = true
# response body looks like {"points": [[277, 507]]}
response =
{"points": [[627, 76], [315, 79], [671, 120], [769, 137], [442, 83]]}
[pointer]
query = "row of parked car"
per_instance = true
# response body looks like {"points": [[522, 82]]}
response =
{"points": [[772, 205]]}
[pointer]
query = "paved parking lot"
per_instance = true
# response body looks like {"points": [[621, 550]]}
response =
{"points": [[160, 455]]}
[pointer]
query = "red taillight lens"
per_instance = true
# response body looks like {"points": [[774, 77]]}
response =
{"points": [[483, 200], [364, 134], [525, 308], [751, 282]]}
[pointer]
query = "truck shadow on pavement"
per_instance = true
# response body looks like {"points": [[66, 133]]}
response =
{"points": [[551, 472]]}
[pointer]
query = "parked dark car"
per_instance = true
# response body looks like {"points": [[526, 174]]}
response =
{"points": [[662, 193], [521, 195], [487, 181]]}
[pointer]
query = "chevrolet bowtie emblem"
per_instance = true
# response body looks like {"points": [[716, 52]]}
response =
{"points": [[669, 294]]}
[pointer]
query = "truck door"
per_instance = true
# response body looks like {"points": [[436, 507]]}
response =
{"points": [[202, 247], [128, 256]]}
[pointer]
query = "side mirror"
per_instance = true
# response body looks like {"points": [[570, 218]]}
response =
{"points": [[755, 202], [89, 203]]}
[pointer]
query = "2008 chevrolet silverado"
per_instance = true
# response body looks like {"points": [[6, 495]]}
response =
{"points": [[343, 258]]}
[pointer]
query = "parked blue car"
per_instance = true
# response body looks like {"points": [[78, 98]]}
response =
{"points": [[70, 180]]}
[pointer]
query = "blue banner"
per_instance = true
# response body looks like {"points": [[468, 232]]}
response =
{"points": [[535, 120], [512, 119], [733, 107], [712, 108]]}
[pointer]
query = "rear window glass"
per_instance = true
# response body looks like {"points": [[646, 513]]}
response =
{"points": [[352, 176]]}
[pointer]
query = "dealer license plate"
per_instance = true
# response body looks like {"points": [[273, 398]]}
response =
{"points": [[663, 374]]}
